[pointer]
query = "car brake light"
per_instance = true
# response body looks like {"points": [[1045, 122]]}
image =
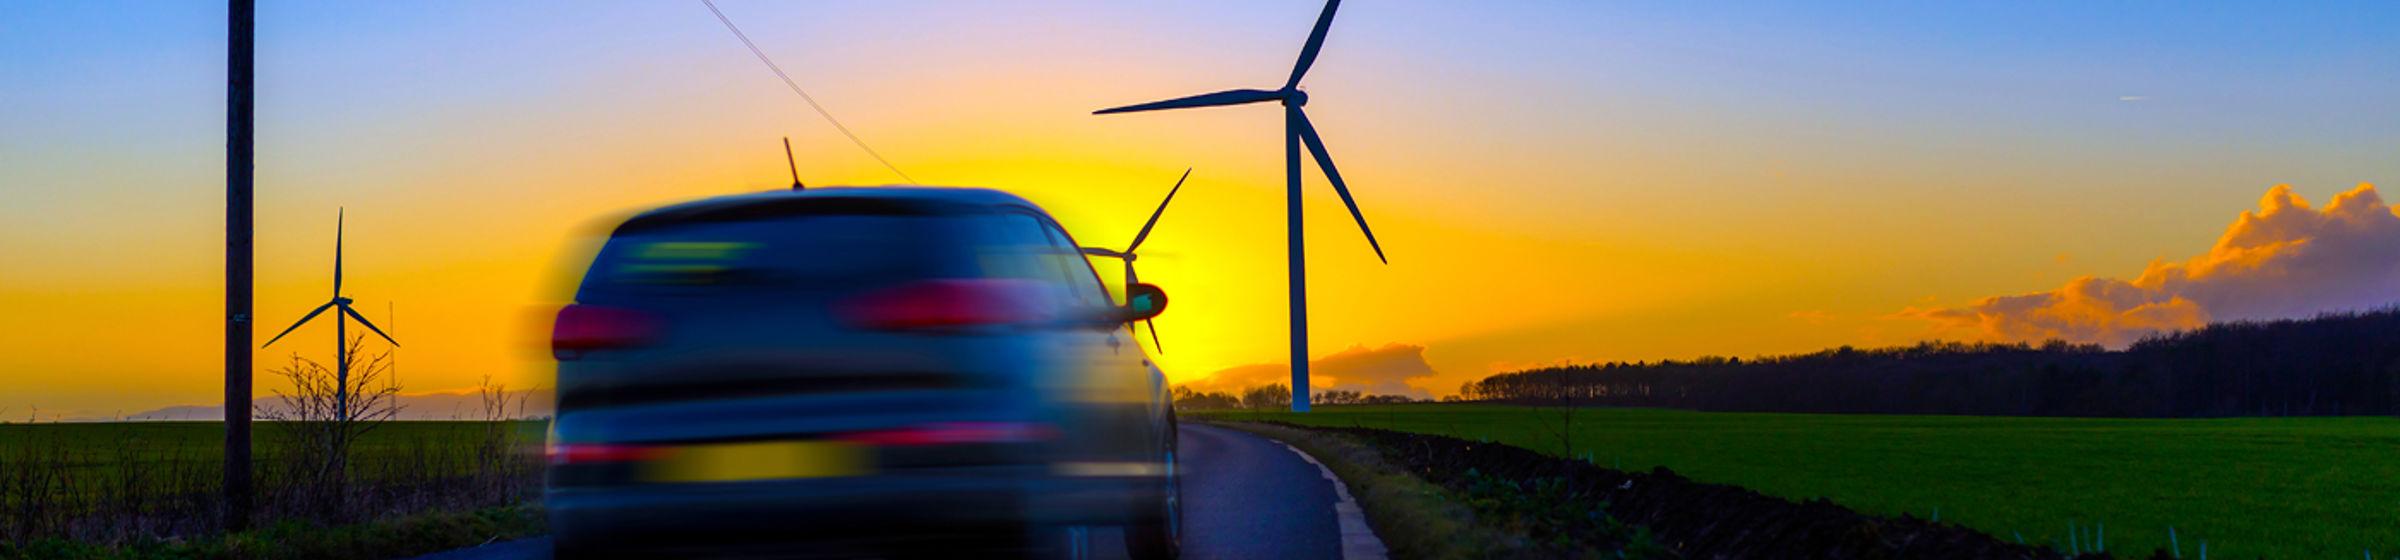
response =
{"points": [[949, 303], [582, 328], [588, 453], [954, 433]]}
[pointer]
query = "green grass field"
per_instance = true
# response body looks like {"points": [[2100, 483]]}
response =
{"points": [[2249, 487], [165, 446], [99, 487]]}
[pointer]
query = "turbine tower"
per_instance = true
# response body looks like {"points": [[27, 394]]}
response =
{"points": [[341, 331], [1128, 254], [1296, 131]]}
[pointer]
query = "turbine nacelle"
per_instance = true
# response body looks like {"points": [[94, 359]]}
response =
{"points": [[1293, 97]]}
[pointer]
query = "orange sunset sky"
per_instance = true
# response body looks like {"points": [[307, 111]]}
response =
{"points": [[1553, 181]]}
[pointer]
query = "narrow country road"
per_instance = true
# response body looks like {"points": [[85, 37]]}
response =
{"points": [[1248, 497], [1245, 497]]}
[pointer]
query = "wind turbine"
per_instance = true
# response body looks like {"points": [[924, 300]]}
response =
{"points": [[1128, 254], [1296, 131], [341, 331]]}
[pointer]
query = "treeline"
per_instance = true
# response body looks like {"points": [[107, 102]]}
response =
{"points": [[1273, 397], [2335, 364]]}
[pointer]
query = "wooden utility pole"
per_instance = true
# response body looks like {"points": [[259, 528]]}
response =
{"points": [[239, 33]]}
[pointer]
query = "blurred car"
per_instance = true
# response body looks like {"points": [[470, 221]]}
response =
{"points": [[855, 372]]}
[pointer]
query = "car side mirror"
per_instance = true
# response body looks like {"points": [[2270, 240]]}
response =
{"points": [[1142, 301]]}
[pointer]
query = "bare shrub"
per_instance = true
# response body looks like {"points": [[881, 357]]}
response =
{"points": [[322, 416], [502, 457]]}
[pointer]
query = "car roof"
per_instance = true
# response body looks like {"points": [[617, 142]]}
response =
{"points": [[885, 198]]}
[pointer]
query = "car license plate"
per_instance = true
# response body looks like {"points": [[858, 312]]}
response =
{"points": [[733, 462]]}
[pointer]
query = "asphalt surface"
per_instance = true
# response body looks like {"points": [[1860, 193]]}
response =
{"points": [[1244, 497], [1247, 497]]}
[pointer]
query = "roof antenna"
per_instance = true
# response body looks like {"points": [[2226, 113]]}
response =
{"points": [[795, 164]]}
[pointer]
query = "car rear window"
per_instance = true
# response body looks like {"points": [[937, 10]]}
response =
{"points": [[793, 251], [745, 253]]}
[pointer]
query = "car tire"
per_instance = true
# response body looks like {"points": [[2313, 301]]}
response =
{"points": [[561, 550], [1159, 536], [582, 549]]}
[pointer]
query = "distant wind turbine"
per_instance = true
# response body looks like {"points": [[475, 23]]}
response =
{"points": [[1128, 254], [341, 331], [1296, 131]]}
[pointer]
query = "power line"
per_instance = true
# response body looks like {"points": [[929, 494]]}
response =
{"points": [[804, 96]]}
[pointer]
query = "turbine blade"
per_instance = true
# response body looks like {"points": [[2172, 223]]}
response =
{"points": [[1316, 40], [362, 319], [296, 325], [1162, 210], [1227, 97], [1316, 147], [1130, 277], [1102, 252], [1162, 348], [337, 252]]}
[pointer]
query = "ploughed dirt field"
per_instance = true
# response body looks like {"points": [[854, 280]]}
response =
{"points": [[1700, 520]]}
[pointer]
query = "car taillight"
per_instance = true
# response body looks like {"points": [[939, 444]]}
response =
{"points": [[583, 328], [954, 433], [592, 453], [950, 303]]}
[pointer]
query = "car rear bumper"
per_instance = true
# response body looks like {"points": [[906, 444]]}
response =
{"points": [[843, 514]]}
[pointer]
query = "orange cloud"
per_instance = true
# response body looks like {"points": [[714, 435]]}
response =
{"points": [[1394, 369], [2283, 260], [1810, 316]]}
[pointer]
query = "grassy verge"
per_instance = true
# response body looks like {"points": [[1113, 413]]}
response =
{"points": [[395, 538], [1417, 519]]}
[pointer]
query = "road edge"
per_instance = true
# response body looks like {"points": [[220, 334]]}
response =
{"points": [[1358, 539]]}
